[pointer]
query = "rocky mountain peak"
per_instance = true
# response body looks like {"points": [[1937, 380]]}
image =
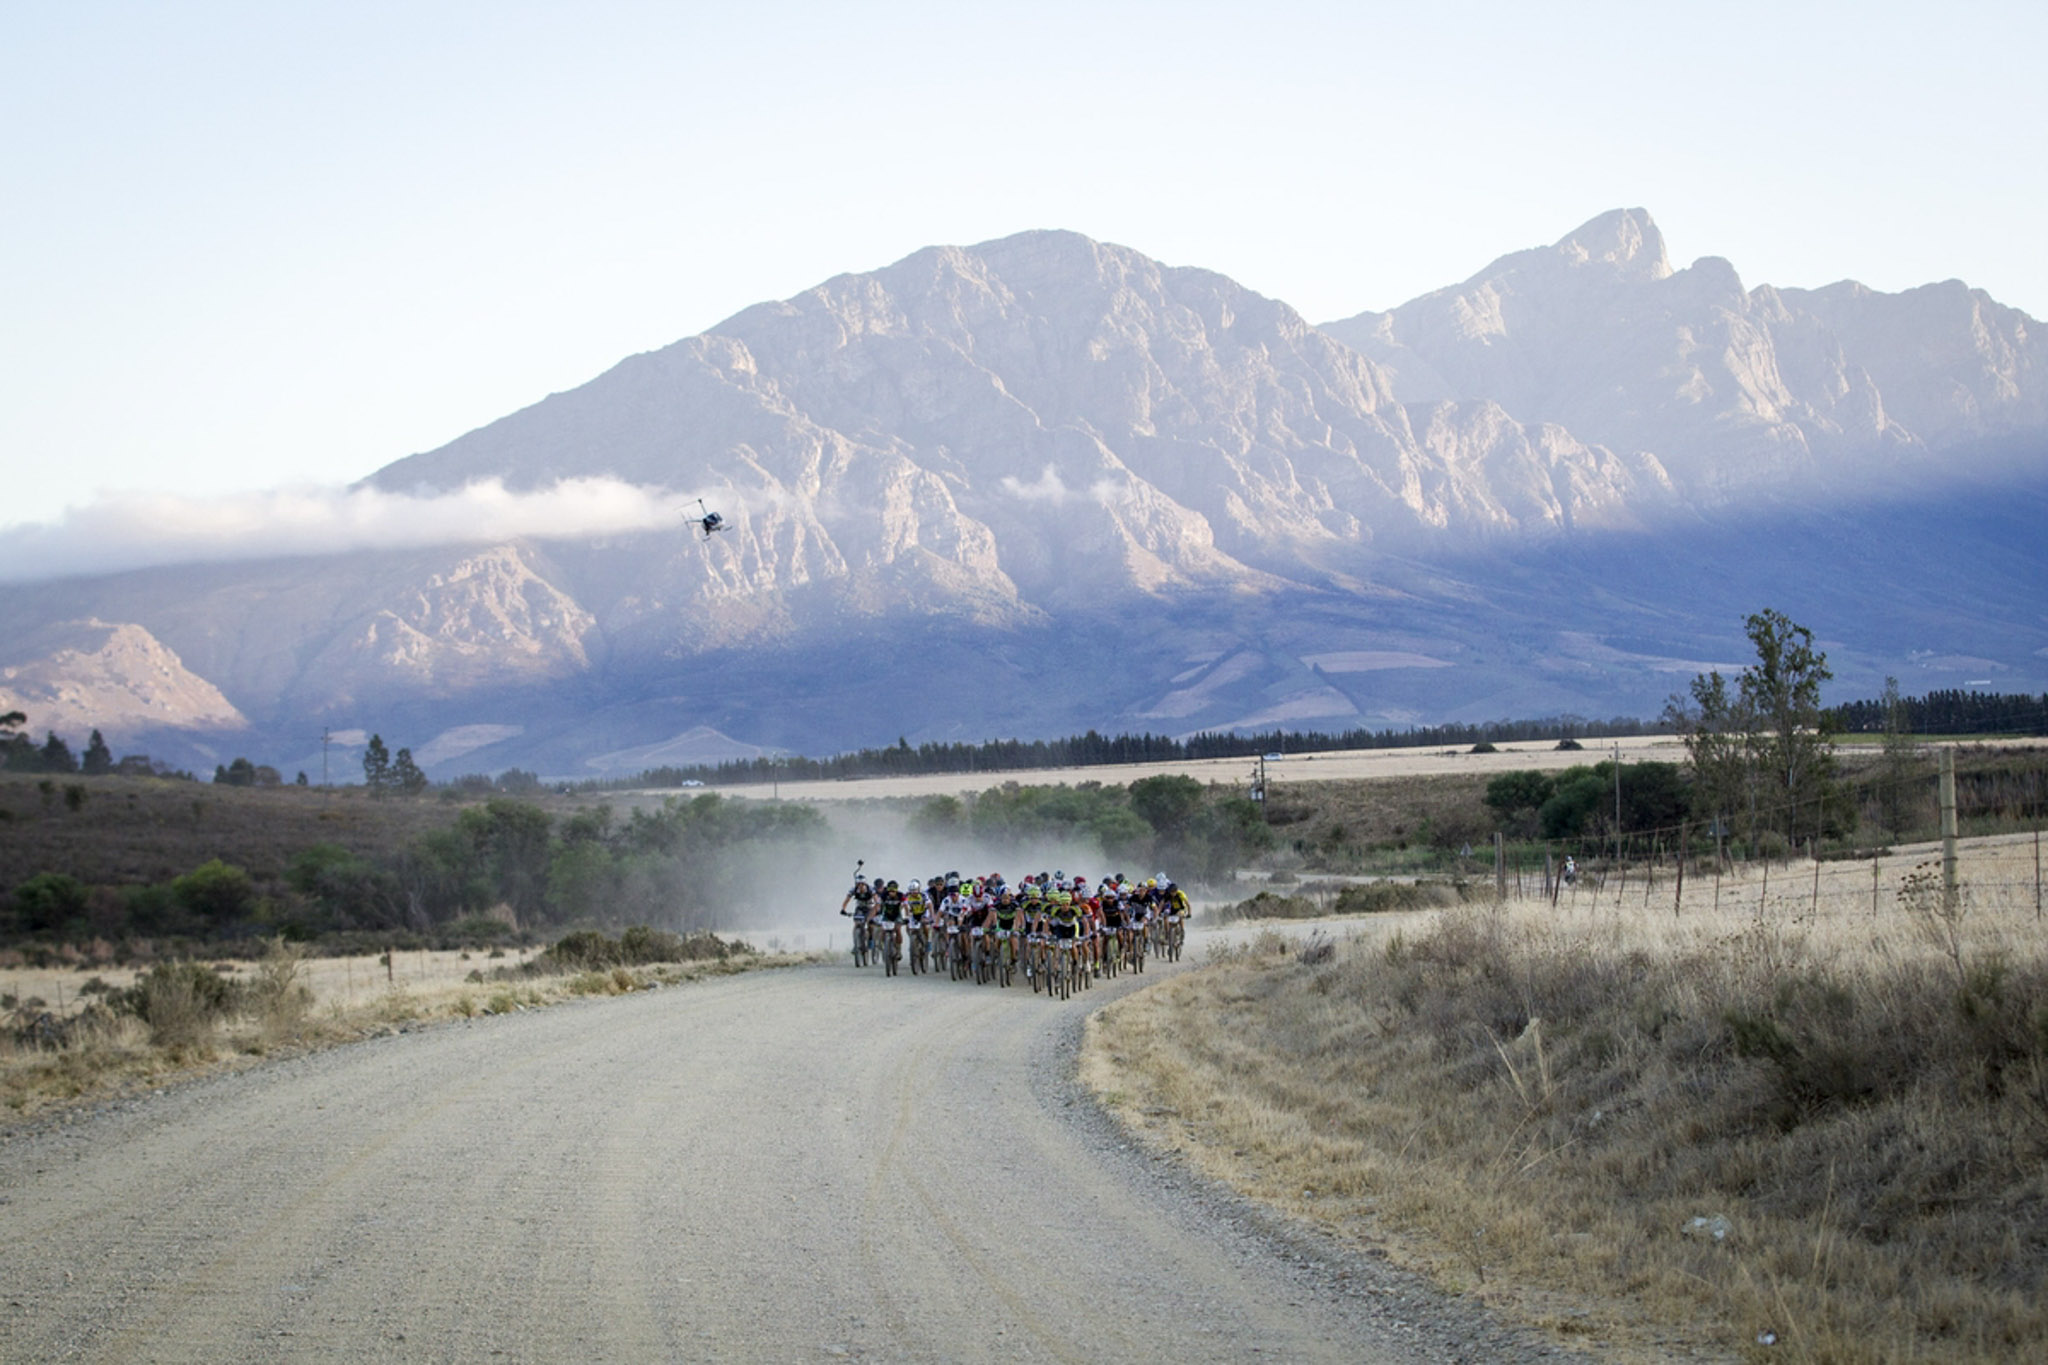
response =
{"points": [[1624, 240]]}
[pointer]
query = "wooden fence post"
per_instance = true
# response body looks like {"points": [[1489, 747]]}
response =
{"points": [[1948, 828]]}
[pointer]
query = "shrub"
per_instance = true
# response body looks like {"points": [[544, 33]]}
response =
{"points": [[589, 950], [1267, 905], [48, 901], [181, 1002], [219, 893], [277, 996], [1374, 898]]}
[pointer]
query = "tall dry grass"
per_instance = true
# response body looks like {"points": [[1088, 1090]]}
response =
{"points": [[1786, 1121]]}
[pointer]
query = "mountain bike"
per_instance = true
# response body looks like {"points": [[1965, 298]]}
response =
{"points": [[1006, 955], [892, 946]]}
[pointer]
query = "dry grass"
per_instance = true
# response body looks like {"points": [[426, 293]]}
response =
{"points": [[287, 1004], [1788, 1117]]}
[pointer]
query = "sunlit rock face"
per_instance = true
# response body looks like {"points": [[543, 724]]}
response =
{"points": [[1733, 391]]}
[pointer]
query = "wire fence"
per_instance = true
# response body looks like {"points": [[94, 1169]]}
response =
{"points": [[2001, 873]]}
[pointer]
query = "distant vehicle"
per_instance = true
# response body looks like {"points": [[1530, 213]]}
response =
{"points": [[1274, 758], [691, 782], [707, 521]]}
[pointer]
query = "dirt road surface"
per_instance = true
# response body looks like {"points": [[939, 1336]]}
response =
{"points": [[812, 1164]]}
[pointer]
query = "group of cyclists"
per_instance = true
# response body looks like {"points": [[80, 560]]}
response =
{"points": [[1056, 931]]}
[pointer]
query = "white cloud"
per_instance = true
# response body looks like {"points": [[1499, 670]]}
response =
{"points": [[139, 530], [1047, 488]]}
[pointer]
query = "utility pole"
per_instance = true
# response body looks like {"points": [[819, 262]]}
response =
{"points": [[323, 755]]}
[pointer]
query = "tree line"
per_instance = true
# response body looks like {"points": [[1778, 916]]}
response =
{"points": [[503, 867], [1948, 712], [1194, 831]]}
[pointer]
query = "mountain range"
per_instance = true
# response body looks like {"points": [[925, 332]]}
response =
{"points": [[1046, 483]]}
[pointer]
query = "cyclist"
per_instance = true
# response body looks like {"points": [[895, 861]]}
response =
{"points": [[953, 913], [862, 898], [917, 914], [1112, 913], [1004, 915], [1064, 923], [889, 915]]}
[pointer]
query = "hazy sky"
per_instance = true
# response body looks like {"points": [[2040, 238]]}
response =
{"points": [[246, 246]]}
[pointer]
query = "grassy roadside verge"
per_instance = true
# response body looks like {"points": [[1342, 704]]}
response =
{"points": [[285, 1005], [1816, 1137]]}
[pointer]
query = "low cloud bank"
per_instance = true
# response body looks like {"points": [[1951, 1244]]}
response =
{"points": [[143, 530]]}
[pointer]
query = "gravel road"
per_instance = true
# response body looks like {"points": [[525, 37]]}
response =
{"points": [[798, 1165]]}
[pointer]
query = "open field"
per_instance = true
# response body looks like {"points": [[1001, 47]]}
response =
{"points": [[1749, 1120], [1330, 766], [1335, 765]]}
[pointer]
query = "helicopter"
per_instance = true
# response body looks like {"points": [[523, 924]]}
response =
{"points": [[706, 521]]}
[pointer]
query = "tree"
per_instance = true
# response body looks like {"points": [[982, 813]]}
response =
{"points": [[1795, 747], [99, 759], [1167, 802], [240, 773], [1517, 796], [48, 902], [55, 756], [1898, 762], [218, 894], [1763, 758], [940, 816], [377, 767], [1720, 740], [406, 775]]}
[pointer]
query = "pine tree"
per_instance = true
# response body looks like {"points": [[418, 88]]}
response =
{"points": [[377, 767], [406, 774], [99, 759], [55, 756]]}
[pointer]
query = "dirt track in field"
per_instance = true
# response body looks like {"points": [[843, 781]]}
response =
{"points": [[812, 1164]]}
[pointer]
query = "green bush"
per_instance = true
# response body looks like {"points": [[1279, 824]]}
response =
{"points": [[49, 901]]}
